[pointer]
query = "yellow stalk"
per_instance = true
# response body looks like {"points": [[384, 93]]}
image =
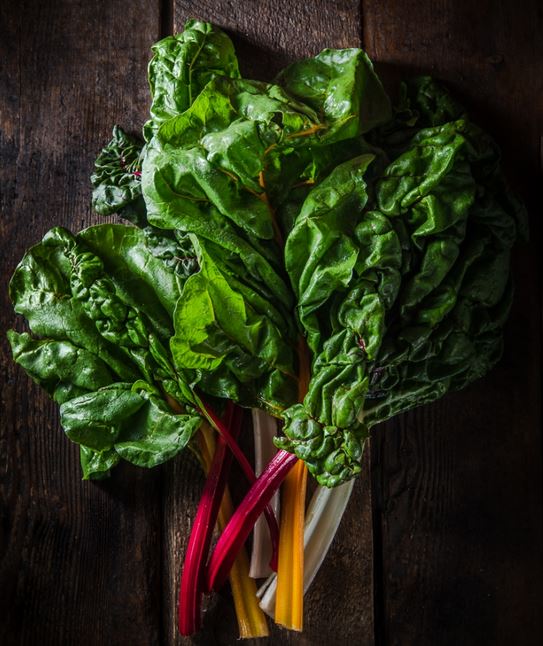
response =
{"points": [[289, 600], [251, 620], [289, 604]]}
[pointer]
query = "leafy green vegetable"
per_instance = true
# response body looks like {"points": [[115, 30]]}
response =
{"points": [[308, 206], [62, 368], [137, 424], [97, 465], [216, 328], [301, 247], [341, 85]]}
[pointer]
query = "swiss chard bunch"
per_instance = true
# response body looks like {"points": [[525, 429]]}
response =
{"points": [[300, 247]]}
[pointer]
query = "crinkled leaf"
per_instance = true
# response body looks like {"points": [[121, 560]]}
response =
{"points": [[341, 85], [40, 290], [155, 435], [421, 310], [116, 181], [102, 304], [181, 67], [320, 254], [217, 329], [137, 425], [62, 368], [94, 419]]}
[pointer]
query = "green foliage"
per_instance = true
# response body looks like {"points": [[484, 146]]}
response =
{"points": [[137, 424], [116, 179], [309, 206], [415, 285], [182, 65], [101, 304], [227, 333], [340, 84]]}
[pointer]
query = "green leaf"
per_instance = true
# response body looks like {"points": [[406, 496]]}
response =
{"points": [[62, 368], [137, 425], [155, 434], [182, 66], [414, 302], [40, 290], [94, 419], [174, 183], [217, 329], [116, 181], [103, 302], [333, 455], [340, 84], [320, 254], [97, 465], [147, 266]]}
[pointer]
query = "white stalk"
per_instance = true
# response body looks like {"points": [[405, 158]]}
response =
{"points": [[322, 521], [264, 429]]}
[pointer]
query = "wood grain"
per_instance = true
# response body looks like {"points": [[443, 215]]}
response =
{"points": [[79, 561], [455, 552], [457, 485], [339, 607], [270, 34]]}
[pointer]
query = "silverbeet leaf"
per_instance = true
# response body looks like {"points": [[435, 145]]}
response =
{"points": [[220, 330], [100, 308], [138, 426], [116, 181], [308, 207], [420, 310], [96, 465], [62, 368], [342, 85], [181, 67]]}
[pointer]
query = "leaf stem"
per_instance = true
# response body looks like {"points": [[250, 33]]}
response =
{"points": [[190, 594], [265, 430], [244, 518], [249, 474], [251, 620], [289, 601], [290, 573]]}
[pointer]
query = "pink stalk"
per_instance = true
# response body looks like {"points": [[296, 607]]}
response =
{"points": [[192, 579], [251, 477], [244, 518]]}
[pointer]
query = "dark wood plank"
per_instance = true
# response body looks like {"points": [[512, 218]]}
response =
{"points": [[268, 35], [80, 562], [339, 608], [457, 485]]}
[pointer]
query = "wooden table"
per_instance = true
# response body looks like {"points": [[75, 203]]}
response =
{"points": [[442, 542]]}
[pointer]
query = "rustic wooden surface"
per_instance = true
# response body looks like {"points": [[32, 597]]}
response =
{"points": [[443, 539], [79, 562]]}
